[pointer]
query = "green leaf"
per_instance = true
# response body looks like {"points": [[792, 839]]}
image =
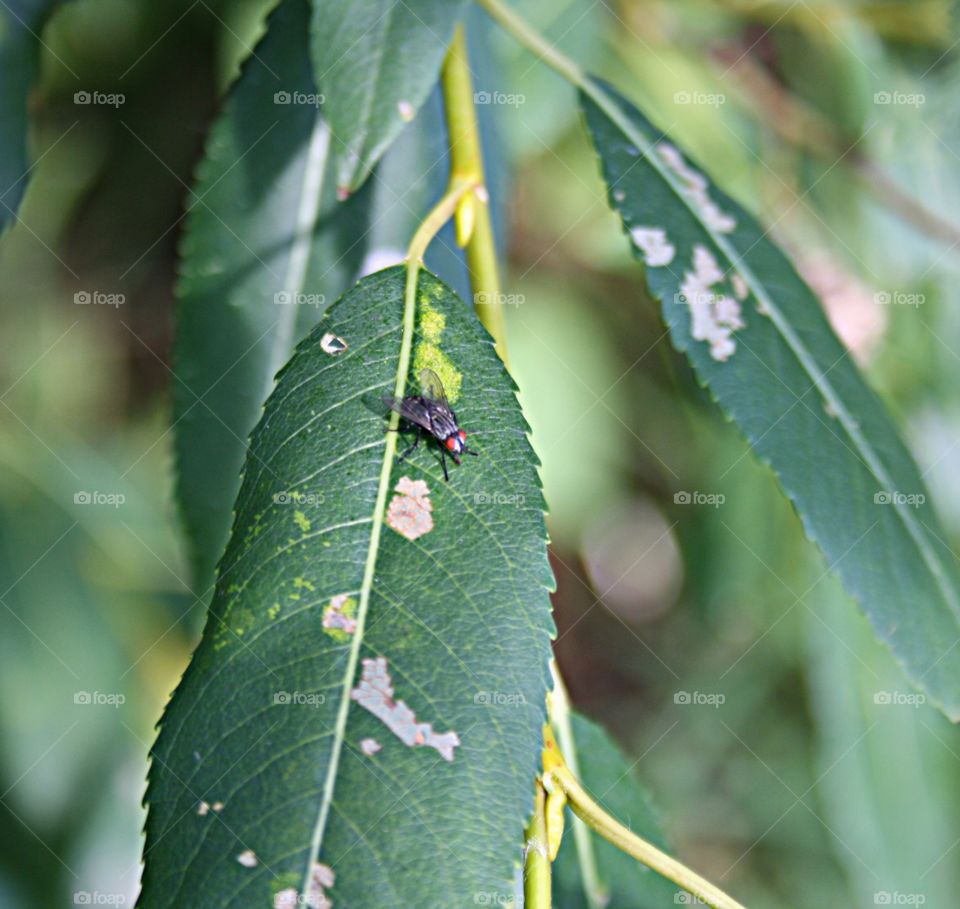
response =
{"points": [[624, 883], [264, 227], [872, 734], [375, 62], [20, 24], [317, 586], [761, 343]]}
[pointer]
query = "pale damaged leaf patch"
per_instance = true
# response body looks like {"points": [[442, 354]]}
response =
{"points": [[739, 286], [370, 746], [321, 879], [204, 808], [286, 899], [339, 617], [696, 187], [333, 344], [653, 243], [713, 316], [375, 693], [248, 859], [409, 512]]}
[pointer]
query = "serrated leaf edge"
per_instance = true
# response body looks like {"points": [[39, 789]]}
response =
{"points": [[596, 91]]}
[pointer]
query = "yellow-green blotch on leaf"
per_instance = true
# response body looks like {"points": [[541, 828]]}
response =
{"points": [[432, 323], [428, 354], [302, 521], [239, 619]]}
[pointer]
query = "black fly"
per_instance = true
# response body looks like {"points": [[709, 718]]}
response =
{"points": [[430, 412]]}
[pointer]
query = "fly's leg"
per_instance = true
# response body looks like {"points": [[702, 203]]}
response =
{"points": [[443, 460], [416, 442]]}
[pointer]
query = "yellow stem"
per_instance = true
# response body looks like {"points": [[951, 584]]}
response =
{"points": [[536, 864], [438, 216], [474, 227], [582, 805], [623, 838], [559, 709]]}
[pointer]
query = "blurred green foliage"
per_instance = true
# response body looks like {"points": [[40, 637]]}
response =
{"points": [[819, 780]]}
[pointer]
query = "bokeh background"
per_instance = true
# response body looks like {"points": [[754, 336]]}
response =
{"points": [[790, 760]]}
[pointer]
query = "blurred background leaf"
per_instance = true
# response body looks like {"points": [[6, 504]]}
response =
{"points": [[609, 779], [375, 62], [753, 332], [874, 733], [21, 21], [266, 248]]}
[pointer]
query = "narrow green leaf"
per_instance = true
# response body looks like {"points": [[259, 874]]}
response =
{"points": [[609, 778], [274, 760], [375, 62], [872, 734], [266, 247], [20, 24], [758, 338]]}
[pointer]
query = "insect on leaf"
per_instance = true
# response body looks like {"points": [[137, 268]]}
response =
{"points": [[373, 630]]}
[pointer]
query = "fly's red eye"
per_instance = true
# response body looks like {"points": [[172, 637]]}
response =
{"points": [[462, 435], [451, 443]]}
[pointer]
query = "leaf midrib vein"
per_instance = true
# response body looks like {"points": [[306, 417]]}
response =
{"points": [[366, 586]]}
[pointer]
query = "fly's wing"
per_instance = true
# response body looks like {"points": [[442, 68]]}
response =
{"points": [[432, 387], [411, 409]]}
